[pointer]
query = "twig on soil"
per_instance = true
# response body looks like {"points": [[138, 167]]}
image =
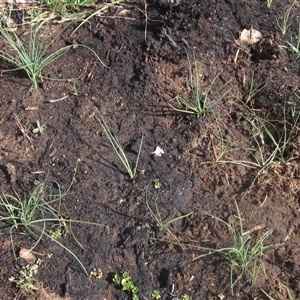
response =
{"points": [[57, 100], [166, 32], [146, 20], [22, 129], [38, 172], [289, 233], [31, 108]]}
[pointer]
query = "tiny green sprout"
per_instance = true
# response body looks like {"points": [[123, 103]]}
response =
{"points": [[221, 296], [39, 262], [26, 282], [156, 294], [157, 184], [57, 233], [37, 182], [126, 284], [268, 3], [40, 129], [117, 280], [185, 297]]}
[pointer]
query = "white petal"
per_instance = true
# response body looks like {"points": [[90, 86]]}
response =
{"points": [[158, 151]]}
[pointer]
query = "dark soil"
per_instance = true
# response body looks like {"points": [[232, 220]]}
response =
{"points": [[144, 72]]}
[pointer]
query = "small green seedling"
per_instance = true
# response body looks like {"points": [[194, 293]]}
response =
{"points": [[156, 294], [157, 184], [57, 233], [36, 54], [40, 129], [268, 3], [26, 282], [32, 57], [185, 297], [33, 215], [97, 12], [268, 143], [126, 284], [161, 223]]}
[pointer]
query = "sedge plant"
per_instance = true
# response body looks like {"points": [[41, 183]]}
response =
{"points": [[254, 90], [163, 224], [283, 288], [294, 47], [32, 56], [36, 215], [244, 254], [202, 100], [118, 148], [285, 22], [268, 142], [97, 12], [64, 5]]}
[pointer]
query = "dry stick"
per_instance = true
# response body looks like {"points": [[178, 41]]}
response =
{"points": [[57, 100], [146, 20], [22, 129]]}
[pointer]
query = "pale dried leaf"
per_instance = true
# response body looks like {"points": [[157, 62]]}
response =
{"points": [[123, 12], [250, 37], [27, 255]]}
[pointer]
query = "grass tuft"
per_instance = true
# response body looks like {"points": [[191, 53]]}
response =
{"points": [[268, 143], [295, 47], [162, 224], [285, 22], [32, 57], [254, 90], [202, 100], [62, 6], [36, 215], [35, 55], [245, 254]]}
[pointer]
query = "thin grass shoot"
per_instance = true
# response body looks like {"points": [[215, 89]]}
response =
{"points": [[294, 47], [118, 148], [285, 22], [254, 90]]}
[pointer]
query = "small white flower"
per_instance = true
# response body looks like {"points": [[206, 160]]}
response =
{"points": [[158, 151]]}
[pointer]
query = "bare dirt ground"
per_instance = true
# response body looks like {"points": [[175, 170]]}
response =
{"points": [[145, 71]]}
